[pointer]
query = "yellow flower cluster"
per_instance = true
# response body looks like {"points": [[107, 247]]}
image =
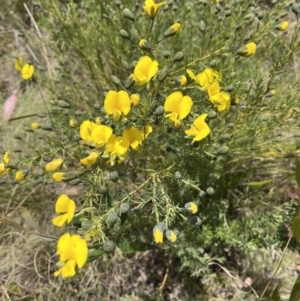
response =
{"points": [[116, 147], [26, 70], [5, 161]]}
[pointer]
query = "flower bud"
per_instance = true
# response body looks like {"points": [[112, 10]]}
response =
{"points": [[296, 8], [129, 83], [127, 14], [112, 218], [75, 182], [135, 100], [212, 114], [47, 127], [202, 194], [113, 175], [115, 80], [223, 150], [191, 207], [247, 50], [63, 104], [17, 137], [227, 13], [181, 80], [171, 236], [145, 45], [210, 191], [159, 111], [124, 208], [195, 220], [178, 57], [163, 74], [102, 189], [202, 26], [177, 175], [283, 26], [73, 123], [173, 30], [124, 34], [166, 54], [108, 246]]}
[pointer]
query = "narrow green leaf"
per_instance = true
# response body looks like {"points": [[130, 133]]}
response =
{"points": [[8, 222], [95, 254], [28, 218], [295, 294], [35, 238], [298, 172], [275, 295], [260, 183], [296, 227]]}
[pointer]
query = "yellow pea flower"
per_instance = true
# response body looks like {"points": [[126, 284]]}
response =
{"points": [[20, 176], [98, 120], [116, 103], [158, 235], [58, 177], [220, 99], [72, 250], [144, 70], [115, 150], [64, 205], [73, 123], [199, 129], [27, 71], [191, 207], [247, 50], [54, 165], [152, 8], [171, 236], [3, 170], [191, 74], [283, 26], [90, 160], [179, 106], [147, 131], [86, 129], [132, 137], [135, 100], [5, 161], [172, 30], [207, 77], [35, 126], [19, 64], [182, 80], [144, 45], [6, 158]]}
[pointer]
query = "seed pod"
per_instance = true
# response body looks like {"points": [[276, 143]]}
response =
{"points": [[177, 175], [112, 218], [127, 14], [124, 208], [113, 175], [63, 104], [108, 246], [124, 34], [178, 57], [159, 111], [202, 26], [210, 191], [163, 74], [75, 182], [115, 80], [223, 150]]}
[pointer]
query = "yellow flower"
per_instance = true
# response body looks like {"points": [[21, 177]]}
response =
{"points": [[86, 129], [171, 236], [172, 30], [207, 77], [3, 170], [247, 50], [158, 235], [283, 26], [116, 103], [191, 74], [179, 106], [73, 123], [199, 129], [135, 100], [220, 99], [151, 7], [6, 158], [20, 176], [147, 131], [64, 205], [27, 71], [115, 150], [144, 45], [98, 120], [132, 137], [72, 251], [54, 165], [90, 160], [58, 177], [191, 207], [181, 79], [19, 64], [35, 125], [144, 70]]}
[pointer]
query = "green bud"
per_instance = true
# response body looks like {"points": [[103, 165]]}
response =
{"points": [[115, 80], [78, 113], [210, 191], [230, 125], [202, 194], [212, 114], [108, 246], [195, 220], [41, 115], [102, 189], [223, 150], [145, 45], [127, 14], [163, 74], [16, 136], [124, 34], [227, 13], [75, 182], [230, 88], [224, 137], [124, 208], [296, 8], [202, 26], [129, 83], [113, 175], [259, 14], [166, 54], [247, 38], [177, 175], [178, 57], [112, 218], [76, 138], [97, 106], [218, 7], [63, 104], [159, 111], [47, 127], [52, 102]]}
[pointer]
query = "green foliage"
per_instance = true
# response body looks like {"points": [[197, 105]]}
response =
{"points": [[228, 174]]}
